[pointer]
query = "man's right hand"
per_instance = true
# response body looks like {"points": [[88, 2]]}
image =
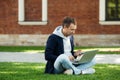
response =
{"points": [[71, 58]]}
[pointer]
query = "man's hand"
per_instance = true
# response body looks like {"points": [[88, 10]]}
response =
{"points": [[71, 58], [77, 53]]}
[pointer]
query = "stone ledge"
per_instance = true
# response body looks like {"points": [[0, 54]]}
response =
{"points": [[40, 40]]}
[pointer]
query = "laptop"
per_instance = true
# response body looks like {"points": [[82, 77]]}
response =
{"points": [[86, 56]]}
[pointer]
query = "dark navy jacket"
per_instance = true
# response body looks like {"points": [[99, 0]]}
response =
{"points": [[54, 48]]}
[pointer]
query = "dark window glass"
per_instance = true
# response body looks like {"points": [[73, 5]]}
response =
{"points": [[112, 10]]}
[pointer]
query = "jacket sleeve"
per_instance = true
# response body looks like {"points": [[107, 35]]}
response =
{"points": [[50, 54], [72, 45]]}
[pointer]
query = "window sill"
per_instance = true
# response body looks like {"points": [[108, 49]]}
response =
{"points": [[109, 22], [32, 23]]}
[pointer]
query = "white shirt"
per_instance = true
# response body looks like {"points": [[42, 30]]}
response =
{"points": [[67, 46]]}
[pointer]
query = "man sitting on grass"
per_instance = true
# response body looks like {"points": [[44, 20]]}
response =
{"points": [[59, 51]]}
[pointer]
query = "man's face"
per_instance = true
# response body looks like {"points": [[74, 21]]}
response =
{"points": [[70, 30]]}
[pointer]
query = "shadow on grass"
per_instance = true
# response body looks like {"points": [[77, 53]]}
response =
{"points": [[35, 71]]}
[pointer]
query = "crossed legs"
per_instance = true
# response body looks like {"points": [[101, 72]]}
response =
{"points": [[63, 63]]}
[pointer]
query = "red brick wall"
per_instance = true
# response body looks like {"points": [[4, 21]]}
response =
{"points": [[85, 11], [33, 11]]}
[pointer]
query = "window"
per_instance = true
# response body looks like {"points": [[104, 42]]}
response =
{"points": [[113, 10], [21, 14], [109, 12]]}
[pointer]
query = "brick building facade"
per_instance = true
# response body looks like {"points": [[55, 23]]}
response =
{"points": [[90, 32]]}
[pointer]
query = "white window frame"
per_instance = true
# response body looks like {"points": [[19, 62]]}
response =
{"points": [[21, 14], [102, 16]]}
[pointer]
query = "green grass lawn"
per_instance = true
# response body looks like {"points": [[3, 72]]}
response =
{"points": [[40, 49], [22, 48], [35, 71]]}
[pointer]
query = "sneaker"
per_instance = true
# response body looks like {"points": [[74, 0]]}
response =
{"points": [[88, 71], [68, 72]]}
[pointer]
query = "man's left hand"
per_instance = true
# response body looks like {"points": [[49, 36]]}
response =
{"points": [[77, 53]]}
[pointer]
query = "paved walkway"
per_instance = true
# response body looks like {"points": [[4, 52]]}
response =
{"points": [[39, 57]]}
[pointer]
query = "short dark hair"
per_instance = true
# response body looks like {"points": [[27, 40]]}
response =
{"points": [[67, 21]]}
